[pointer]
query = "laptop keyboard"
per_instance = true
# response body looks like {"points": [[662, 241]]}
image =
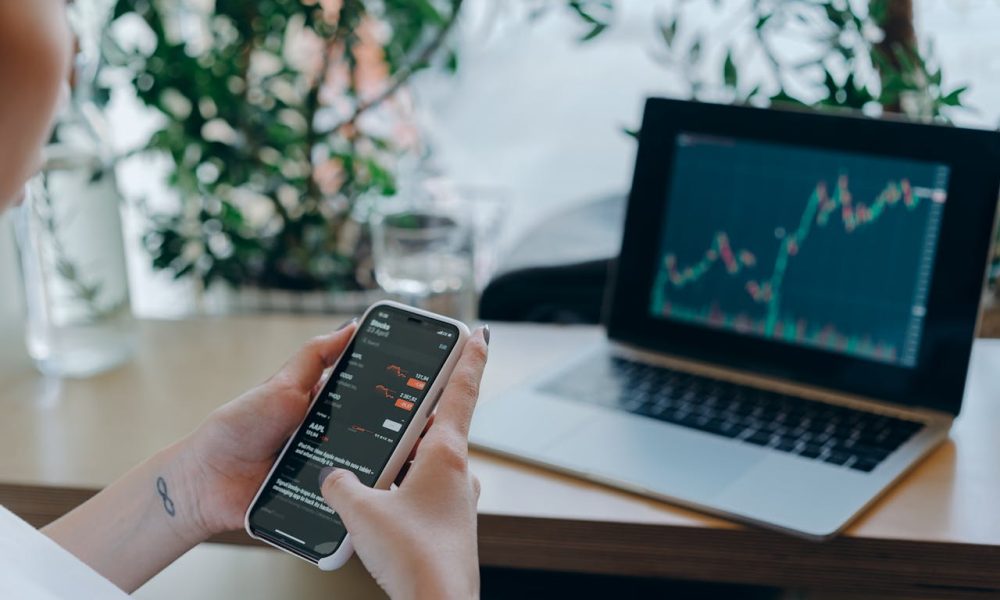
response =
{"points": [[833, 434]]}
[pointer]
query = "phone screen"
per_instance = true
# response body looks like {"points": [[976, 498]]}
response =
{"points": [[355, 423]]}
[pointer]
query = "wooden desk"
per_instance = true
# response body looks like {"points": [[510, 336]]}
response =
{"points": [[937, 534]]}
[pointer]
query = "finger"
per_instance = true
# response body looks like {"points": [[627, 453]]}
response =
{"points": [[343, 491], [413, 452], [403, 472], [430, 421], [454, 412], [477, 487], [305, 368], [319, 384]]}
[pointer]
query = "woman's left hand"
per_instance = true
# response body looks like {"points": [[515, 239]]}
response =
{"points": [[202, 484], [227, 457]]}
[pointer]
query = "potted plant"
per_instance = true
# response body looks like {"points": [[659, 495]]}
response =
{"points": [[278, 116]]}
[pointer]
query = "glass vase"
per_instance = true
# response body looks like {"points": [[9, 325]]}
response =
{"points": [[72, 255]]}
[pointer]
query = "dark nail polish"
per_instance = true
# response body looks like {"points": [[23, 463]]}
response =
{"points": [[346, 323], [486, 334], [324, 473]]}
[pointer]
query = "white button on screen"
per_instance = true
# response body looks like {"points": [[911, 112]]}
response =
{"points": [[392, 425]]}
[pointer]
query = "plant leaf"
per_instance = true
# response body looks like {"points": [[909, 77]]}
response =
{"points": [[730, 75], [954, 97], [597, 30], [668, 32]]}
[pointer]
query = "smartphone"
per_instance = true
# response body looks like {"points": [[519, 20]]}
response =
{"points": [[367, 417]]}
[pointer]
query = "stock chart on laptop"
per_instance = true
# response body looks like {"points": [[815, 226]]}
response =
{"points": [[806, 246]]}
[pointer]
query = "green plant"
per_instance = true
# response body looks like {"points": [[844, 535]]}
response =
{"points": [[863, 57], [278, 115], [859, 56]]}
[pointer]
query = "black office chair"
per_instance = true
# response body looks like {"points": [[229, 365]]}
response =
{"points": [[565, 294]]}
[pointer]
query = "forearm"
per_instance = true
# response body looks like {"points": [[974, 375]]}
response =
{"points": [[138, 525]]}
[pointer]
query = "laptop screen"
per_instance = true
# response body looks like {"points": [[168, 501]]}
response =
{"points": [[811, 247]]}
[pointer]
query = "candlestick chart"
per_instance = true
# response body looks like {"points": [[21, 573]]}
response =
{"points": [[811, 247]]}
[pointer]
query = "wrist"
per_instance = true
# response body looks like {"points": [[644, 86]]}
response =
{"points": [[138, 525], [177, 486], [445, 581]]}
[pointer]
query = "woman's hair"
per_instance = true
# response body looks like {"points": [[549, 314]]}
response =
{"points": [[34, 60]]}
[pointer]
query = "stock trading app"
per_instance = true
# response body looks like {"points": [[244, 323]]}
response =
{"points": [[806, 246], [356, 423]]}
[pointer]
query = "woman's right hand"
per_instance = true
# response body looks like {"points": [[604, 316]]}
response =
{"points": [[419, 540]]}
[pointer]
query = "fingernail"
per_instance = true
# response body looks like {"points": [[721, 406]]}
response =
{"points": [[486, 334], [324, 473], [347, 323]]}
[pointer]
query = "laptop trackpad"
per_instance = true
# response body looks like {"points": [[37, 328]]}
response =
{"points": [[663, 459]]}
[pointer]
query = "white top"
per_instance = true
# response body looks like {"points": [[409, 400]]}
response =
{"points": [[33, 567]]}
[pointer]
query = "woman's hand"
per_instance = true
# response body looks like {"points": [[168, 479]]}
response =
{"points": [[200, 485], [419, 540], [228, 456]]}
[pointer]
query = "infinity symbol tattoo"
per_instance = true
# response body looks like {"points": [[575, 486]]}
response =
{"points": [[168, 504]]}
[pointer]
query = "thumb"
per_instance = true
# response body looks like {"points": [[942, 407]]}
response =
{"points": [[306, 367], [342, 490]]}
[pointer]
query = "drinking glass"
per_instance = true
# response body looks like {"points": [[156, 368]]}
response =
{"points": [[483, 207], [423, 250]]}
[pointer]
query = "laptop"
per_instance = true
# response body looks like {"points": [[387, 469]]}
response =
{"points": [[789, 321]]}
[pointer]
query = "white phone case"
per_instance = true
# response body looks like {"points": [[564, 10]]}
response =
{"points": [[403, 448]]}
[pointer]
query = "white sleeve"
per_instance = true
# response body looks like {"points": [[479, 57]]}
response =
{"points": [[34, 567]]}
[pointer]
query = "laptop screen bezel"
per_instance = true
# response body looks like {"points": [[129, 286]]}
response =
{"points": [[937, 381]]}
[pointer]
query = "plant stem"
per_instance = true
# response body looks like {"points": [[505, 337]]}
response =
{"points": [[900, 36]]}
